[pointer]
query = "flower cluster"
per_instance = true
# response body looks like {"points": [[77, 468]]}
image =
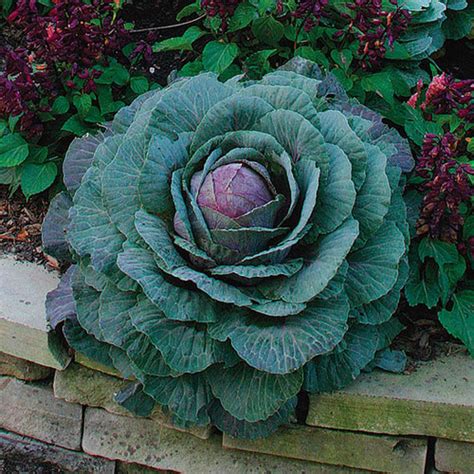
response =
{"points": [[311, 11], [446, 187], [21, 88], [445, 94], [221, 8], [61, 48], [375, 28]]}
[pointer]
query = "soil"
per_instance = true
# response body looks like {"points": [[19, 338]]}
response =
{"points": [[424, 338], [20, 226]]}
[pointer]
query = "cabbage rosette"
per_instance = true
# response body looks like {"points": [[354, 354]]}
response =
{"points": [[234, 244]]}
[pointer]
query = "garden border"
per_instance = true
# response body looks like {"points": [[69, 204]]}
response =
{"points": [[393, 417]]}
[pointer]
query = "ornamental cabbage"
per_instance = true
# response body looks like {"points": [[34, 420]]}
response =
{"points": [[234, 244]]}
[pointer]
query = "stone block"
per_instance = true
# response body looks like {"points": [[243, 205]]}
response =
{"points": [[144, 442], [358, 450], [31, 410], [23, 328], [23, 369], [77, 384], [435, 400], [16, 448], [454, 456]]}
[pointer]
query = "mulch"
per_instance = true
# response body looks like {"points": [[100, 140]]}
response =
{"points": [[20, 227]]}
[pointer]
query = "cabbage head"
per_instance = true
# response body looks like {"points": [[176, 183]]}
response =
{"points": [[234, 245]]}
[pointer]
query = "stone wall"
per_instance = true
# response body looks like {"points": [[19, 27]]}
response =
{"points": [[60, 414]]}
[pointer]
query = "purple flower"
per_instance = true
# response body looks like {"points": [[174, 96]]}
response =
{"points": [[446, 186]]}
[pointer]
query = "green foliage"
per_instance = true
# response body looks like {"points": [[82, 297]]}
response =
{"points": [[224, 317], [261, 35]]}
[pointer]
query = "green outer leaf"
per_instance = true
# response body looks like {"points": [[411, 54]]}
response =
{"points": [[336, 370], [321, 265], [53, 230], [181, 108], [298, 136], [126, 167], [186, 349], [373, 199], [91, 231], [184, 396], [373, 269], [87, 305], [234, 113], [250, 395], [336, 199], [382, 309], [284, 97], [337, 131], [86, 344], [243, 429], [259, 271], [281, 346], [177, 303], [135, 400], [459, 322]]}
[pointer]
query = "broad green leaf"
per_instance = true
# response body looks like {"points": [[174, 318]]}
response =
{"points": [[185, 348], [382, 309], [13, 150], [422, 286], [135, 400], [268, 30], [244, 15], [250, 395], [91, 230], [139, 265], [373, 199], [373, 269], [37, 178], [459, 321], [280, 346], [284, 97], [78, 158], [337, 131], [336, 370], [232, 114], [139, 84], [82, 342], [184, 396], [441, 252], [60, 304], [53, 231], [300, 139], [60, 105], [337, 197], [322, 263], [246, 430], [75, 125], [182, 108], [181, 43], [164, 156], [153, 230], [217, 56]]}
